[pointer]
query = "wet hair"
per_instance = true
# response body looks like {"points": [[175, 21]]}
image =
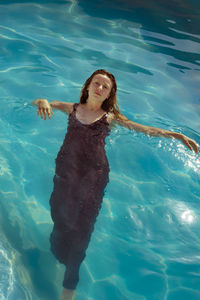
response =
{"points": [[110, 103]]}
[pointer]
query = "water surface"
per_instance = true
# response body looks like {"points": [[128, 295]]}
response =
{"points": [[146, 239]]}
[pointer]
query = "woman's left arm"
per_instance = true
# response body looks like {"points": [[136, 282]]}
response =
{"points": [[153, 131]]}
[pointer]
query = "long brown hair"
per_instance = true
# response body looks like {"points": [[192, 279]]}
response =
{"points": [[110, 103]]}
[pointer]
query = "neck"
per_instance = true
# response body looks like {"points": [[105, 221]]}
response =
{"points": [[93, 105]]}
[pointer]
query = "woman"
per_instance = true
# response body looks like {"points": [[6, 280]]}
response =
{"points": [[82, 168]]}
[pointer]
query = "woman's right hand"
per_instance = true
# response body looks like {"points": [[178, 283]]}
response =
{"points": [[44, 108]]}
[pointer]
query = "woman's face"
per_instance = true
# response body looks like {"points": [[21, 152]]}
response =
{"points": [[100, 87]]}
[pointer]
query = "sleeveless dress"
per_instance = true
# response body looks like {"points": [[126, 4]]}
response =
{"points": [[80, 179]]}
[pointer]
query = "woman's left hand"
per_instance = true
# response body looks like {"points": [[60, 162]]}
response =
{"points": [[153, 131], [187, 141]]}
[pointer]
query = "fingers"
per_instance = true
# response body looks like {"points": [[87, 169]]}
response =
{"points": [[44, 111], [190, 144], [194, 146], [45, 115], [50, 112], [39, 112], [187, 144]]}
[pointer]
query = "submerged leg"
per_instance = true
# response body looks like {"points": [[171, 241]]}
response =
{"points": [[69, 248], [74, 215], [76, 255], [67, 294], [60, 244]]}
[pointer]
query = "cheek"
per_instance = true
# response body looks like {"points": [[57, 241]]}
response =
{"points": [[108, 92]]}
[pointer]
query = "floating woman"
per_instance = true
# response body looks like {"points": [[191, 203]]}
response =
{"points": [[82, 168]]}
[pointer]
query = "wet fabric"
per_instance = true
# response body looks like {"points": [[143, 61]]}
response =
{"points": [[81, 177]]}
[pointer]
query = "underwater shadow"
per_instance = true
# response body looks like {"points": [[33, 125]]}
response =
{"points": [[39, 264]]}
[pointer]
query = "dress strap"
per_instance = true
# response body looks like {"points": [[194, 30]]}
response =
{"points": [[75, 107]]}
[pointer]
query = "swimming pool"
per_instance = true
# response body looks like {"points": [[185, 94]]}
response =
{"points": [[146, 239]]}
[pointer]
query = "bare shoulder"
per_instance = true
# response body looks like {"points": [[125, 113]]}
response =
{"points": [[116, 119], [110, 117], [66, 107], [69, 106]]}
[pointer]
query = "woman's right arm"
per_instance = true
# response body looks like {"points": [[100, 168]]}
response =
{"points": [[45, 108]]}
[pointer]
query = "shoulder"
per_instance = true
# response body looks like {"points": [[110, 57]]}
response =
{"points": [[68, 107], [110, 117], [113, 118]]}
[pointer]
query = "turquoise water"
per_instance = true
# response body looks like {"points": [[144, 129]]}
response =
{"points": [[146, 242]]}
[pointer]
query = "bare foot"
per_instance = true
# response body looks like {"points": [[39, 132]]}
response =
{"points": [[68, 294]]}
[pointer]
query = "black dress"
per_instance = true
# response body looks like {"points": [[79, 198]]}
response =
{"points": [[81, 177]]}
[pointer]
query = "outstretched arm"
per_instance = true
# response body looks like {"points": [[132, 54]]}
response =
{"points": [[45, 108], [153, 131]]}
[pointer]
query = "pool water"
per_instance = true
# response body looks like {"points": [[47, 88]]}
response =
{"points": [[146, 242]]}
